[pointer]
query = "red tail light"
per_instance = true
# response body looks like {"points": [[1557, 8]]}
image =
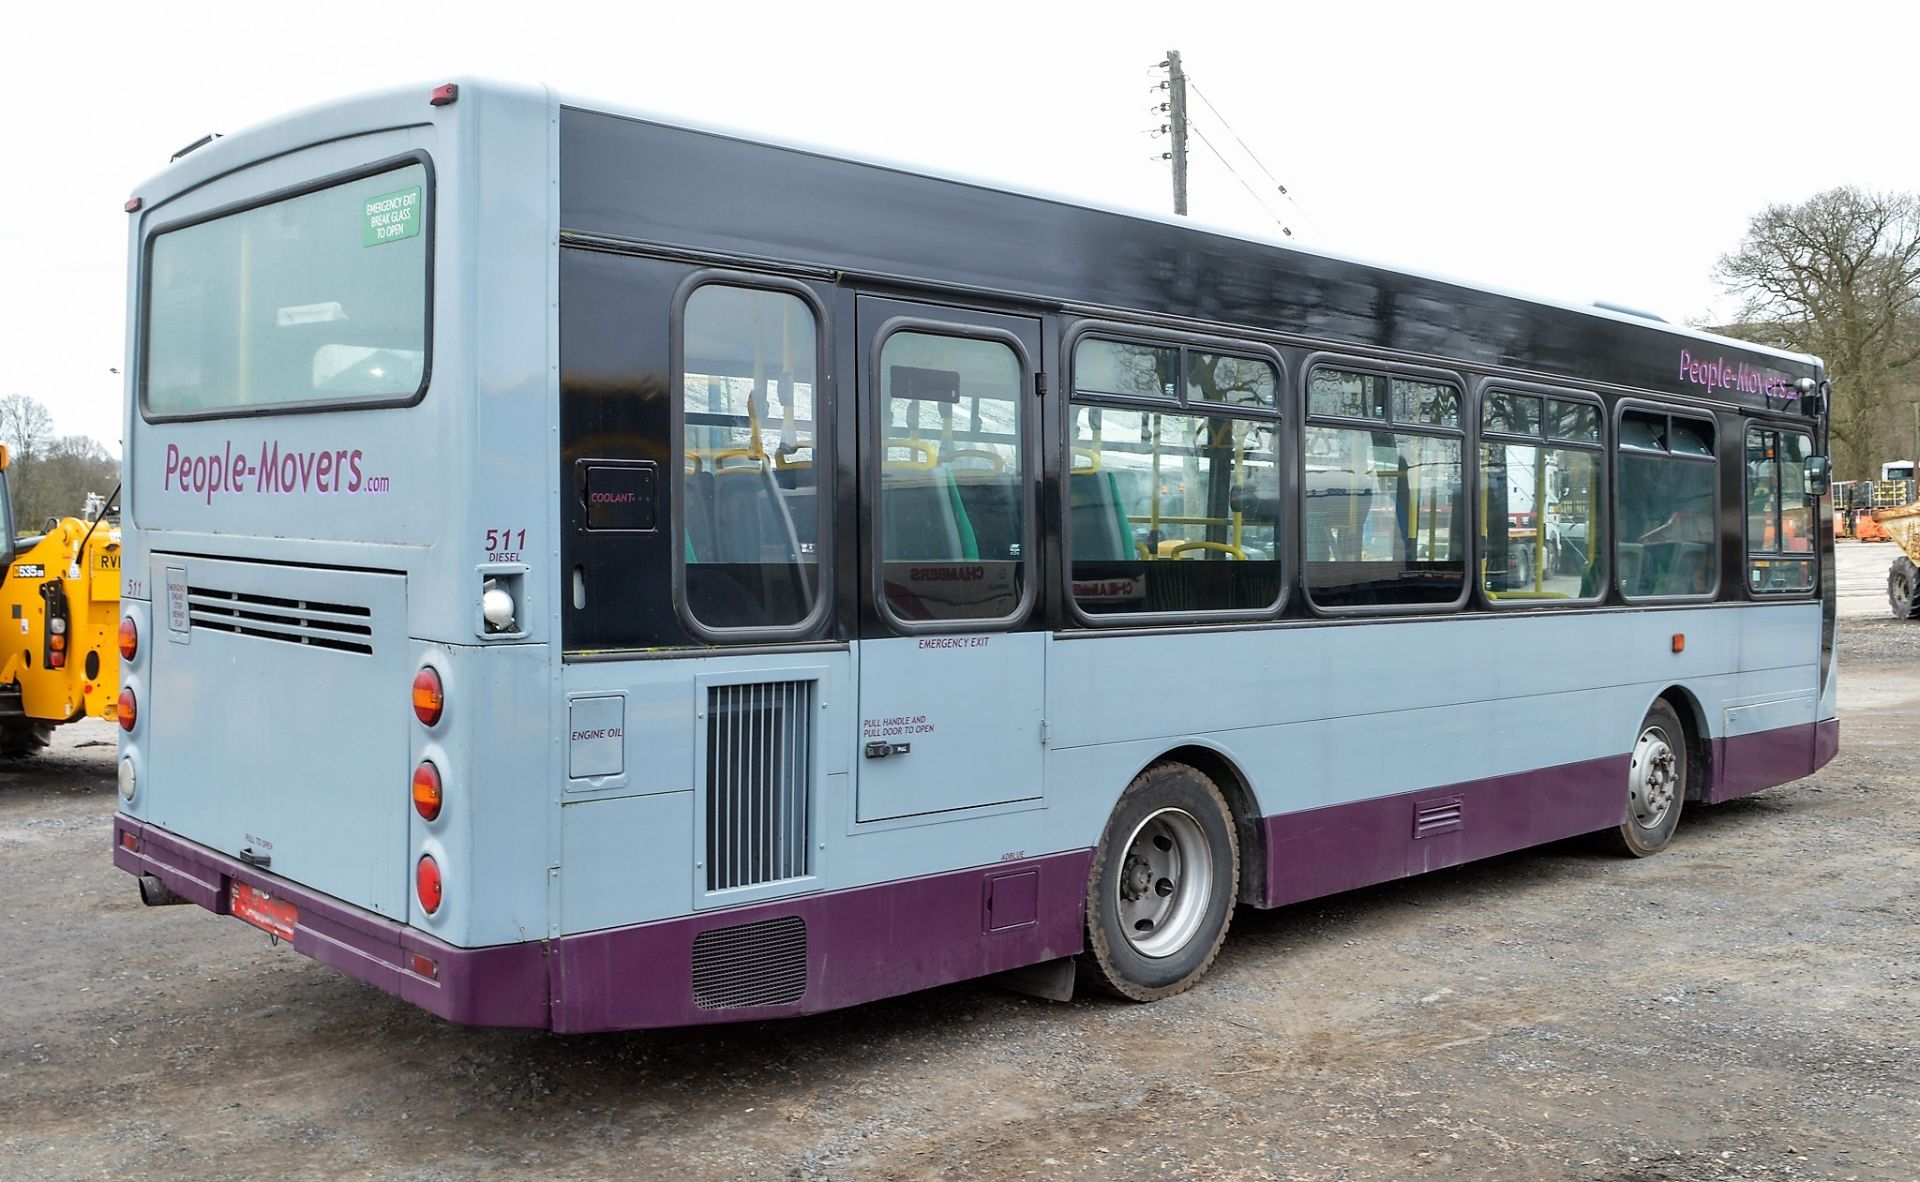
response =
{"points": [[129, 638], [426, 883], [127, 709], [429, 700], [426, 790]]}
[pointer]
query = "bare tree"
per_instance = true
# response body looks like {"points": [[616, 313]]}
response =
{"points": [[25, 426], [49, 477], [1839, 276], [64, 473]]}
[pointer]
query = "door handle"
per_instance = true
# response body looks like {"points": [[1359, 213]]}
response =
{"points": [[880, 750]]}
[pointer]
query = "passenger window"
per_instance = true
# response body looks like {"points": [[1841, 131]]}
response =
{"points": [[749, 492], [1385, 517], [1668, 529], [1126, 369], [1542, 530], [1234, 381], [1576, 422], [952, 494], [1779, 514], [1337, 393], [1174, 509]]}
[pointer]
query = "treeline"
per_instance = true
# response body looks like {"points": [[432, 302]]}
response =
{"points": [[49, 475], [1839, 276]]}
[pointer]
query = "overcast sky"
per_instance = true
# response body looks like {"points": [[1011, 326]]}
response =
{"points": [[1580, 152]]}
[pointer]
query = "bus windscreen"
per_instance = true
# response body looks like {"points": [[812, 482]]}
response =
{"points": [[315, 299]]}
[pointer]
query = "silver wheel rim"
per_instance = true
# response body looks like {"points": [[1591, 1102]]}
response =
{"points": [[1164, 884], [1654, 778]]}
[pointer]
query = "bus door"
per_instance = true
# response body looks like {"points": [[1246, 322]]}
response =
{"points": [[951, 690]]}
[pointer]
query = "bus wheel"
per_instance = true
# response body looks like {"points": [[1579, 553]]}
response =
{"points": [[1162, 887], [1656, 785], [1903, 588]]}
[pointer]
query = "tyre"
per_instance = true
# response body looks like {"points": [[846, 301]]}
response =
{"points": [[20, 739], [1903, 588], [1657, 782], [1162, 887]]}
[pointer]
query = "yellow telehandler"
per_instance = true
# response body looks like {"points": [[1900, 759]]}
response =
{"points": [[59, 616]]}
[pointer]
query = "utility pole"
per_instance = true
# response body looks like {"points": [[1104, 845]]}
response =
{"points": [[1177, 128]]}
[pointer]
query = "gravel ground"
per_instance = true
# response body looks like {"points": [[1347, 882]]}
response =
{"points": [[1740, 1007]]}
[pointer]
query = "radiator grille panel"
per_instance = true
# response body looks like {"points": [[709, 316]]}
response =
{"points": [[752, 964], [343, 626], [759, 783]]}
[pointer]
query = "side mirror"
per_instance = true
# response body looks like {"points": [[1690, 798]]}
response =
{"points": [[1818, 471]]}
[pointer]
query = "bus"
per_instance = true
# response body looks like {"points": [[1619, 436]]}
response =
{"points": [[587, 571]]}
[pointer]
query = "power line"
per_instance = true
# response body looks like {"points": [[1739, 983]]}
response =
{"points": [[1236, 135], [1251, 155], [1251, 192]]}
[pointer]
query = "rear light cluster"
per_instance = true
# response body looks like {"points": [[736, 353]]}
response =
{"points": [[129, 638], [127, 708], [429, 795], [55, 601]]}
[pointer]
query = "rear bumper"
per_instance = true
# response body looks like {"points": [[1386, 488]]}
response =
{"points": [[501, 986], [856, 945]]}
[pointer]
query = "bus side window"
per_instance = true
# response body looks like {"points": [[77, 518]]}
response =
{"points": [[1665, 475], [750, 519], [1385, 509], [952, 501], [1542, 528], [1173, 487], [1779, 514]]}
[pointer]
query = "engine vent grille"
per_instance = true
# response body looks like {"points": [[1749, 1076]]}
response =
{"points": [[1433, 817], [751, 964], [341, 626], [759, 789]]}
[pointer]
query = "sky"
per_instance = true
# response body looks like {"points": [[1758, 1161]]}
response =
{"points": [[1578, 152]]}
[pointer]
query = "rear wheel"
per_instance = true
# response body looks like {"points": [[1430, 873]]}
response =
{"points": [[1162, 887], [1656, 785], [1903, 588], [18, 739]]}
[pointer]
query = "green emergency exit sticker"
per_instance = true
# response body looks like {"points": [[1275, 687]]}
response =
{"points": [[392, 217]]}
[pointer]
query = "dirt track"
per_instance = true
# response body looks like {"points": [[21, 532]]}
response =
{"points": [[1743, 1006]]}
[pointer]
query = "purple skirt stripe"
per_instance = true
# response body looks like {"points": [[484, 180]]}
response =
{"points": [[878, 941]]}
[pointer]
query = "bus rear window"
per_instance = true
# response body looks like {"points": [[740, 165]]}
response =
{"points": [[318, 299]]}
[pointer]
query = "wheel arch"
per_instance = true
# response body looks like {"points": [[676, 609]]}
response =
{"points": [[1248, 824], [1699, 741]]}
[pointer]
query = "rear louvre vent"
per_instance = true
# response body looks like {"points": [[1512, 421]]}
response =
{"points": [[1432, 817], [759, 783], [341, 626], [753, 964]]}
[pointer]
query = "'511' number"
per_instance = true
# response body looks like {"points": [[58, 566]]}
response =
{"points": [[506, 539]]}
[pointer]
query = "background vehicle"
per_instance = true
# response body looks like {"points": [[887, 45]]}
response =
{"points": [[817, 580], [59, 610], [1902, 527]]}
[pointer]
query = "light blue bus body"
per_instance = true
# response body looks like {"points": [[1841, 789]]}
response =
{"points": [[288, 570]]}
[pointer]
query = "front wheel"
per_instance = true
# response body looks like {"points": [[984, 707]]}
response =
{"points": [[1162, 887], [1656, 785]]}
